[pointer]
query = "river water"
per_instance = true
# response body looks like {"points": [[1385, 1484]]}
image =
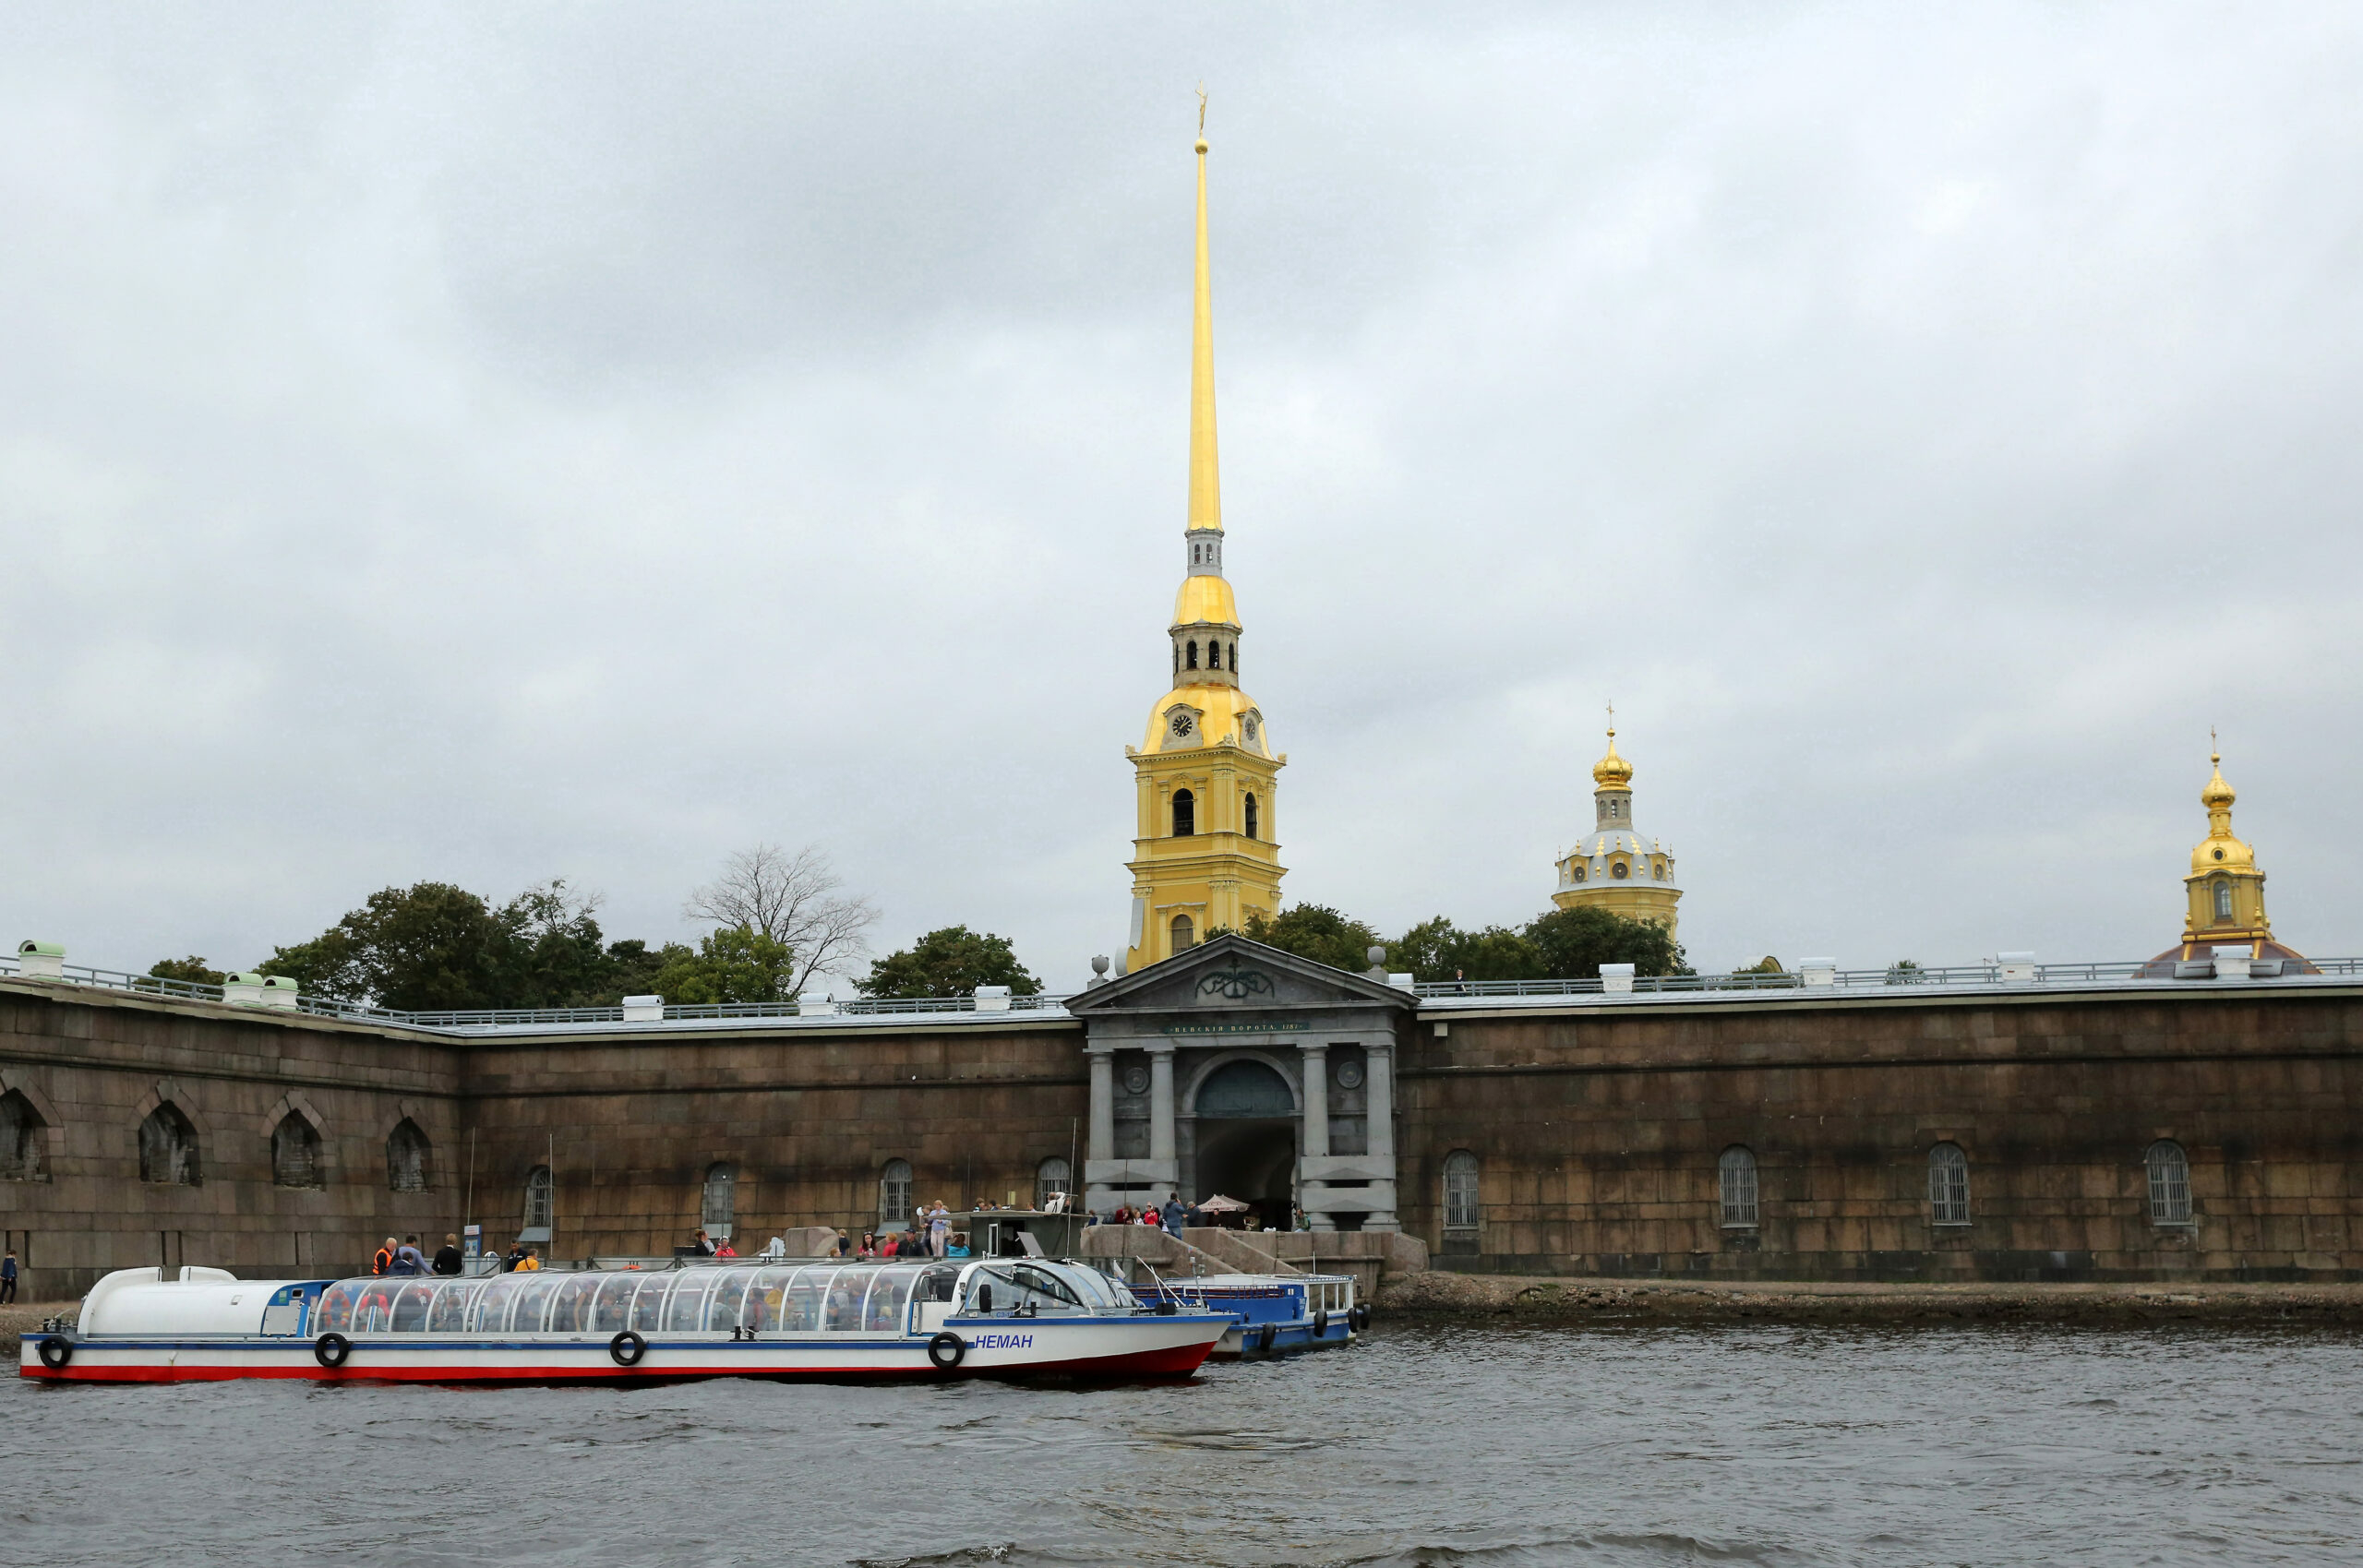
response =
{"points": [[1421, 1445]]}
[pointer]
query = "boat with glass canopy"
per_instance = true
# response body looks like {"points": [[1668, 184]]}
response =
{"points": [[773, 1318]]}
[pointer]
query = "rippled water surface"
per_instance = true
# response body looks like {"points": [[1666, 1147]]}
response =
{"points": [[1421, 1445]]}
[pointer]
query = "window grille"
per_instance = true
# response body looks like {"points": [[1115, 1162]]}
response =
{"points": [[22, 1138], [718, 1203], [1738, 1181], [1185, 813], [538, 1191], [894, 1193], [1185, 933], [406, 1158], [1053, 1177], [1460, 1201], [1948, 1185], [168, 1147], [2223, 901], [294, 1153], [2170, 1183]]}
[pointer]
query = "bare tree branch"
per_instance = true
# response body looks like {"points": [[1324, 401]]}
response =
{"points": [[794, 900]]}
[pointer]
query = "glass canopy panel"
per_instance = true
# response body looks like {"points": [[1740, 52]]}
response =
{"points": [[728, 1296], [808, 1292], [846, 1291], [611, 1307], [337, 1303], [767, 1300], [449, 1312], [890, 1295], [525, 1313], [489, 1314], [373, 1309], [409, 1307], [571, 1309], [686, 1312], [647, 1314]]}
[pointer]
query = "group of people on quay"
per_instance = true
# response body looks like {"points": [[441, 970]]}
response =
{"points": [[930, 1235]]}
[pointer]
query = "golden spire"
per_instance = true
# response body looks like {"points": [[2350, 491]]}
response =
{"points": [[1206, 482], [2217, 796], [1611, 771]]}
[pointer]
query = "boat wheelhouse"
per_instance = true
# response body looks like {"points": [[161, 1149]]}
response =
{"points": [[1271, 1314], [765, 1318]]}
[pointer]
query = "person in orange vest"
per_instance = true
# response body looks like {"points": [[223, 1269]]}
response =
{"points": [[384, 1262]]}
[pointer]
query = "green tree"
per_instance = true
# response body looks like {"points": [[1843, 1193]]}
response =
{"points": [[194, 970], [1436, 950], [735, 964], [1571, 944], [1317, 933], [430, 947], [950, 962]]}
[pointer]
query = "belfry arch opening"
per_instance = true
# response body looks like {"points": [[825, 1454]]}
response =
{"points": [[1246, 1129]]}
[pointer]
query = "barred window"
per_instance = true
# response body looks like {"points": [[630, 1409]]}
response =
{"points": [[538, 1204], [406, 1158], [1053, 1177], [718, 1203], [1737, 1169], [1185, 934], [894, 1193], [1460, 1202], [1948, 1185], [295, 1153], [2170, 1183], [2223, 901]]}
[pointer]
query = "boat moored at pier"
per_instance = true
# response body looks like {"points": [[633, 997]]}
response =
{"points": [[770, 1319], [1271, 1314]]}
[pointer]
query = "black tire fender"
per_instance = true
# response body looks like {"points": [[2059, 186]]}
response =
{"points": [[55, 1351], [1321, 1324], [947, 1350], [1359, 1319], [1265, 1340], [627, 1349], [331, 1350]]}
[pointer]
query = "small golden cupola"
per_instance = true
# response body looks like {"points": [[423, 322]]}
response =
{"points": [[1614, 867], [2224, 892], [1206, 856]]}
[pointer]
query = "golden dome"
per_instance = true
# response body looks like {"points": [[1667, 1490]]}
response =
{"points": [[1219, 713], [1204, 600], [2218, 794], [1612, 771]]}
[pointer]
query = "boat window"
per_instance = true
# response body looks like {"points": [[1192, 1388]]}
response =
{"points": [[526, 1316], [336, 1306], [766, 1308], [449, 1312], [611, 1309], [727, 1298], [888, 1301], [490, 1313], [1028, 1286], [409, 1312], [648, 1301], [569, 1313], [804, 1299], [687, 1312], [843, 1313], [936, 1284]]}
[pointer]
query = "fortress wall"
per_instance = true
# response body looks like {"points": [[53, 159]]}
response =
{"points": [[1598, 1135], [95, 1063], [809, 1117]]}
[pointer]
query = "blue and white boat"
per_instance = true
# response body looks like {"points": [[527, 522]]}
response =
{"points": [[1272, 1314]]}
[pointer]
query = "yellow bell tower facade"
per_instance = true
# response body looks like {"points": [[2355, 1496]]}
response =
{"points": [[1206, 856], [1614, 867]]}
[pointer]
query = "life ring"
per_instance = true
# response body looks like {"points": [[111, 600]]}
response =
{"points": [[55, 1351], [946, 1350], [627, 1349], [1321, 1324], [331, 1350]]}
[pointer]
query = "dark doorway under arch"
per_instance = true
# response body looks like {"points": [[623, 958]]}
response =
{"points": [[1247, 1139]]}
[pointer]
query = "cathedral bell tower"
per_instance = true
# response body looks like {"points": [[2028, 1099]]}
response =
{"points": [[1205, 857]]}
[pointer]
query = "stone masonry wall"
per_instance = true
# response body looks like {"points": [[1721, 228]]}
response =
{"points": [[1598, 1132]]}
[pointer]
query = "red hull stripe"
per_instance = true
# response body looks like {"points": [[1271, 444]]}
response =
{"points": [[1177, 1361]]}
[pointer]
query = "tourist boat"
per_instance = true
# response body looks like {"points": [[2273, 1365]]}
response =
{"points": [[771, 1319], [1271, 1314]]}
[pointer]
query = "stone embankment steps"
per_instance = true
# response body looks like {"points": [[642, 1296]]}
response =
{"points": [[1625, 1302]]}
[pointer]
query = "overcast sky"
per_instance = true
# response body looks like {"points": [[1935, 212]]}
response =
{"points": [[493, 444]]}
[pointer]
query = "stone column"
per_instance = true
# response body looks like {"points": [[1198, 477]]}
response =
{"points": [[1312, 1192], [1380, 1085], [1316, 1102], [1103, 1106], [1160, 1103]]}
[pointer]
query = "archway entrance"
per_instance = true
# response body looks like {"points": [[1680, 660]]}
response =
{"points": [[1246, 1143]]}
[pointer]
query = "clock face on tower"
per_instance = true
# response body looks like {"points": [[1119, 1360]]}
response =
{"points": [[1181, 725]]}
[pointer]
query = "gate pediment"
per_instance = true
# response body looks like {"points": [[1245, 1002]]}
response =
{"points": [[1233, 974]]}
